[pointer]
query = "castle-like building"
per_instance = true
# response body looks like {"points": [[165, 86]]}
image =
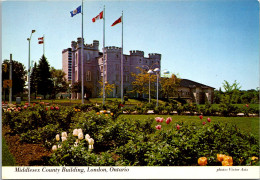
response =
{"points": [[94, 70]]}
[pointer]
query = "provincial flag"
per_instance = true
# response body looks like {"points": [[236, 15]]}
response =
{"points": [[99, 16], [119, 20], [40, 40], [76, 11]]}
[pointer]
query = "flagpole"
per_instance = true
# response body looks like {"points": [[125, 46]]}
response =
{"points": [[82, 68], [122, 81], [104, 96], [43, 45]]}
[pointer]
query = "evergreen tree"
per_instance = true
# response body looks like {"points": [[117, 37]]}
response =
{"points": [[45, 84], [34, 80]]}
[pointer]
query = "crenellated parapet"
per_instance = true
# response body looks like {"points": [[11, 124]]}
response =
{"points": [[136, 53], [73, 45], [112, 49], [154, 56], [76, 45]]}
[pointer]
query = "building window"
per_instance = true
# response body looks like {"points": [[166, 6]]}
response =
{"points": [[76, 75], [88, 77], [140, 60], [117, 67], [117, 77], [76, 60]]}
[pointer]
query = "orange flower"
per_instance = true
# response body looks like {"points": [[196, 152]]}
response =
{"points": [[220, 157], [227, 161], [202, 161], [254, 158], [98, 113], [111, 114], [106, 115], [105, 111]]}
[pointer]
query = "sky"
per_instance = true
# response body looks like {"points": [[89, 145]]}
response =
{"points": [[207, 41]]}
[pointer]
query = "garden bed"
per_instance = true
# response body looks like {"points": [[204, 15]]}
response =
{"points": [[87, 135], [25, 154]]}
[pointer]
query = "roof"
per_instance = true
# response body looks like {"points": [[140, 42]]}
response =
{"points": [[192, 84]]}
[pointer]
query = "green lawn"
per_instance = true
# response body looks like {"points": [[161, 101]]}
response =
{"points": [[7, 157], [246, 124]]}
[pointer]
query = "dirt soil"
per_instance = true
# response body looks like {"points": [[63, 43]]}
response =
{"points": [[25, 154]]}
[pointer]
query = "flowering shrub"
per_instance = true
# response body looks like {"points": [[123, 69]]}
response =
{"points": [[120, 141]]}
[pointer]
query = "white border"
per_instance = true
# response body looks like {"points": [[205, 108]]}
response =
{"points": [[180, 172]]}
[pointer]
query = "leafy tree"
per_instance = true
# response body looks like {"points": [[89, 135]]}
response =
{"points": [[18, 76], [59, 81], [141, 82], [232, 91], [76, 88], [169, 86], [108, 88], [250, 96], [217, 96], [45, 84]]}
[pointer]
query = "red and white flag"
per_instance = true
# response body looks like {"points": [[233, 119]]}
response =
{"points": [[119, 20], [99, 16], [40, 40]]}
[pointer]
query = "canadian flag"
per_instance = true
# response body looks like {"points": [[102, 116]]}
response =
{"points": [[99, 16], [40, 40]]}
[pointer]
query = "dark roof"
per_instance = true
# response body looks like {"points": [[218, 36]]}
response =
{"points": [[192, 84]]}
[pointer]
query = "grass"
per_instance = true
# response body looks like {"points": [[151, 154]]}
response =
{"points": [[7, 157], [245, 124]]}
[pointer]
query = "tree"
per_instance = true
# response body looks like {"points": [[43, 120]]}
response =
{"points": [[59, 81], [169, 86], [141, 82], [108, 88], [18, 76], [34, 80], [217, 96], [232, 91], [76, 88], [45, 84]]}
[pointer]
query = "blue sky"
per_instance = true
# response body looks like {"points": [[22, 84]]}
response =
{"points": [[207, 41]]}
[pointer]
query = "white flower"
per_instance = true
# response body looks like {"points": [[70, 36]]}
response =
{"points": [[59, 146], [80, 131], [63, 138], [64, 134], [54, 148], [91, 144], [87, 137], [75, 144], [90, 141], [90, 147], [75, 132], [80, 136], [57, 137]]}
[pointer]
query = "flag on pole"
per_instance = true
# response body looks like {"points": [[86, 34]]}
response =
{"points": [[40, 40], [76, 11], [99, 16], [119, 20]]}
